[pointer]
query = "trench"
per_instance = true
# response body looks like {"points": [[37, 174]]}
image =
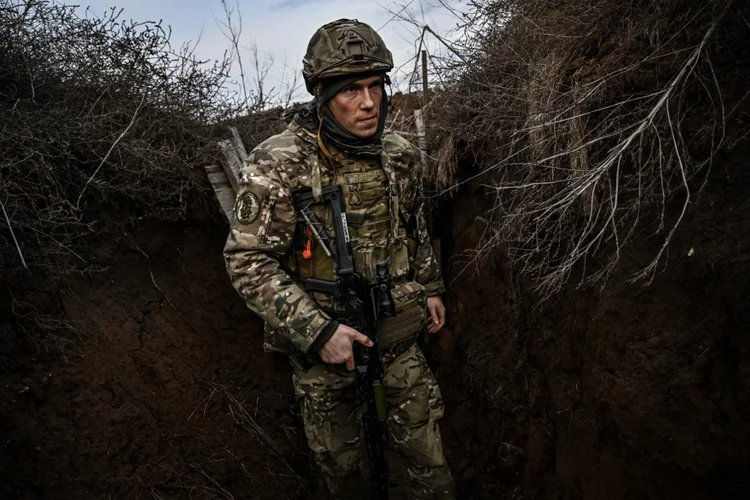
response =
{"points": [[160, 388]]}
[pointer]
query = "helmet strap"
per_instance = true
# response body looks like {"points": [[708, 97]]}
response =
{"points": [[319, 135]]}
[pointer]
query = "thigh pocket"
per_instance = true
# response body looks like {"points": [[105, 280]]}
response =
{"points": [[433, 394], [329, 409], [313, 432]]}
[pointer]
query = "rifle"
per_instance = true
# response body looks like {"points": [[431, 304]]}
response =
{"points": [[366, 303]]}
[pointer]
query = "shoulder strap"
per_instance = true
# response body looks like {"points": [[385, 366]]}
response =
{"points": [[316, 181], [312, 159]]}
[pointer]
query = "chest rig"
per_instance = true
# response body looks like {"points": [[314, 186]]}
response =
{"points": [[371, 195], [377, 232]]}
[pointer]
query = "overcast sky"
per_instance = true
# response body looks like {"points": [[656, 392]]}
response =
{"points": [[282, 28]]}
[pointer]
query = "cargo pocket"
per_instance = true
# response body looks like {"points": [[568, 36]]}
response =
{"points": [[410, 301], [308, 421], [373, 231], [415, 400]]}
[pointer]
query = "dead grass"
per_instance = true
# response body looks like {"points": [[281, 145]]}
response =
{"points": [[591, 124], [95, 112]]}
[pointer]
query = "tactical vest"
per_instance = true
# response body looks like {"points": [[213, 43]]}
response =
{"points": [[372, 196]]}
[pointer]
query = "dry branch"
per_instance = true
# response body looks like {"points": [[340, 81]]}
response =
{"points": [[132, 121], [585, 141], [77, 93], [13, 234]]}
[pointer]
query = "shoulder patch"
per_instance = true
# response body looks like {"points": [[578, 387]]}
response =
{"points": [[247, 208]]}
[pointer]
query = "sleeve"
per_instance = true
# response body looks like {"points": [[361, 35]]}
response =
{"points": [[426, 266], [261, 233]]}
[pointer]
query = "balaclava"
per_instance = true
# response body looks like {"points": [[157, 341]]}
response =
{"points": [[330, 130]]}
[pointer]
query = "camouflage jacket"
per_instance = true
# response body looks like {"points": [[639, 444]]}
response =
{"points": [[267, 237]]}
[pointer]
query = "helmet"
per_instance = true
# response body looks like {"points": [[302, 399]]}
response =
{"points": [[344, 47]]}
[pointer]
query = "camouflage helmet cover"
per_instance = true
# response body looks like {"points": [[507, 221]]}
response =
{"points": [[344, 47]]}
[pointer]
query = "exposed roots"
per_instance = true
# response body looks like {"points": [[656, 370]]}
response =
{"points": [[589, 120]]}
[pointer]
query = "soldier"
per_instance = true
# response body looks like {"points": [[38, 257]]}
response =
{"points": [[339, 139]]}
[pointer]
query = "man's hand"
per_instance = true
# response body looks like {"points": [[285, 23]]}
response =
{"points": [[436, 310], [338, 349]]}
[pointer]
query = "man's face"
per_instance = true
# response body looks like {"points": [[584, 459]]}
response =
{"points": [[357, 106]]}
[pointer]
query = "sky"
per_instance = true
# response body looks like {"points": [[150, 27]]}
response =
{"points": [[281, 29]]}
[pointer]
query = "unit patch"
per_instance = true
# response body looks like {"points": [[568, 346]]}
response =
{"points": [[247, 208]]}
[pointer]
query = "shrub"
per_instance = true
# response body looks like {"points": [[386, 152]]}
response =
{"points": [[587, 118], [98, 115]]}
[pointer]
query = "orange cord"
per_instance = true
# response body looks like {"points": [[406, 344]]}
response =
{"points": [[307, 252]]}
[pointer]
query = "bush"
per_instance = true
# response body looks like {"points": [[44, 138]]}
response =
{"points": [[98, 115], [587, 118]]}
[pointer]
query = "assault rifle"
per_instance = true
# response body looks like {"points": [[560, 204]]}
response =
{"points": [[366, 303]]}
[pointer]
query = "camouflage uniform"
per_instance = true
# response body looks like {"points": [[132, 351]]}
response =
{"points": [[333, 424], [265, 259]]}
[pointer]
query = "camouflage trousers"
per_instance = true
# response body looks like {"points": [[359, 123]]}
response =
{"points": [[332, 415]]}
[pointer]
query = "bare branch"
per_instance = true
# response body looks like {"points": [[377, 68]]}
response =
{"points": [[575, 157], [132, 121], [13, 234]]}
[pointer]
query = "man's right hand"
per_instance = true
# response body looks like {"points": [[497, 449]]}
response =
{"points": [[339, 349]]}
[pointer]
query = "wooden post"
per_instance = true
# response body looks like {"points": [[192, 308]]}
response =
{"points": [[425, 96], [225, 179]]}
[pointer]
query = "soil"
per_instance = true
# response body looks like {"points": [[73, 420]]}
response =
{"points": [[625, 392], [165, 392], [160, 388]]}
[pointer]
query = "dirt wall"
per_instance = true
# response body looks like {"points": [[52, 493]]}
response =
{"points": [[620, 393], [161, 389]]}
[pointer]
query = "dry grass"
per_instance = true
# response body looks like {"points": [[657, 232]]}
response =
{"points": [[590, 123], [95, 112]]}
